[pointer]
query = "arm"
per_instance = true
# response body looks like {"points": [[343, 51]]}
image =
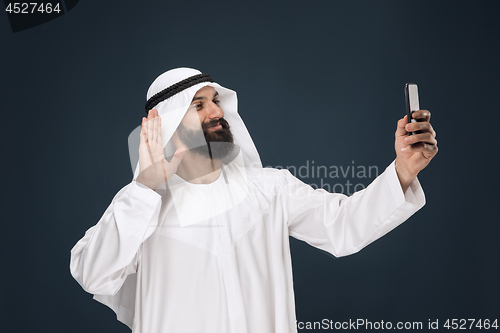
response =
{"points": [[343, 225], [109, 251]]}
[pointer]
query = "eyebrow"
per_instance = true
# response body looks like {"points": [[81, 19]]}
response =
{"points": [[201, 97]]}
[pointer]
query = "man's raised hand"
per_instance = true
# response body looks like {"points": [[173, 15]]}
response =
{"points": [[411, 159], [154, 169]]}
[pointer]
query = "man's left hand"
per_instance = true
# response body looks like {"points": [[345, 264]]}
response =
{"points": [[411, 159]]}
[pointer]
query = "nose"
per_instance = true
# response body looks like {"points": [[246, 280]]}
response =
{"points": [[214, 111]]}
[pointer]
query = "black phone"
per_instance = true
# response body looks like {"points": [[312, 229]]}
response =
{"points": [[412, 105]]}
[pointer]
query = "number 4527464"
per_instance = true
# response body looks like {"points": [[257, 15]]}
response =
{"points": [[463, 324], [32, 8]]}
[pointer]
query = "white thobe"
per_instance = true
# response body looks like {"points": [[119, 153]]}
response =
{"points": [[216, 257]]}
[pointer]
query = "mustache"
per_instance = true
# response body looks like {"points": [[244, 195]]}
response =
{"points": [[214, 122]]}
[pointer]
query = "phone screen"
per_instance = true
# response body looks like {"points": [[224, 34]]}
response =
{"points": [[412, 105]]}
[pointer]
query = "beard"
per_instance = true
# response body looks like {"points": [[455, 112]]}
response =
{"points": [[219, 143]]}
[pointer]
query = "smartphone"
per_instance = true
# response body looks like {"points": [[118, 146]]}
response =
{"points": [[411, 94]]}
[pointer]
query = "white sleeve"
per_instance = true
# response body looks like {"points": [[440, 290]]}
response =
{"points": [[109, 251], [343, 225]]}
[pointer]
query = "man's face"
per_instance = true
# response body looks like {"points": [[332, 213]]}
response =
{"points": [[204, 124]]}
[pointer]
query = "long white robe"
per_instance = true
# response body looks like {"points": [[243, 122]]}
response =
{"points": [[216, 257]]}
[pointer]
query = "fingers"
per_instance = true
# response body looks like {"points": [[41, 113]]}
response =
{"points": [[422, 137], [143, 136], [429, 150], [158, 129], [149, 126], [153, 126], [400, 130], [151, 114], [154, 135], [420, 126], [421, 115]]}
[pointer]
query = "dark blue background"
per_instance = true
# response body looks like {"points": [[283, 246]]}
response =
{"points": [[316, 80]]}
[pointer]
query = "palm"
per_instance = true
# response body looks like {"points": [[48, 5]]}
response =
{"points": [[154, 169], [413, 161]]}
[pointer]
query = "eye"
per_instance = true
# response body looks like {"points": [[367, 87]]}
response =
{"points": [[216, 102], [198, 106]]}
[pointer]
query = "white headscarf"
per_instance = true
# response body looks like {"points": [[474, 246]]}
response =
{"points": [[173, 109]]}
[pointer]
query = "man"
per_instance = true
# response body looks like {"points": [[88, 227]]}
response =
{"points": [[200, 243]]}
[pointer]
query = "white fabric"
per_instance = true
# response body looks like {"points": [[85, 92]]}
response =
{"points": [[231, 272], [215, 257]]}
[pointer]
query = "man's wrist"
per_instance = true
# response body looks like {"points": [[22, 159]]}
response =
{"points": [[405, 178], [138, 180]]}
